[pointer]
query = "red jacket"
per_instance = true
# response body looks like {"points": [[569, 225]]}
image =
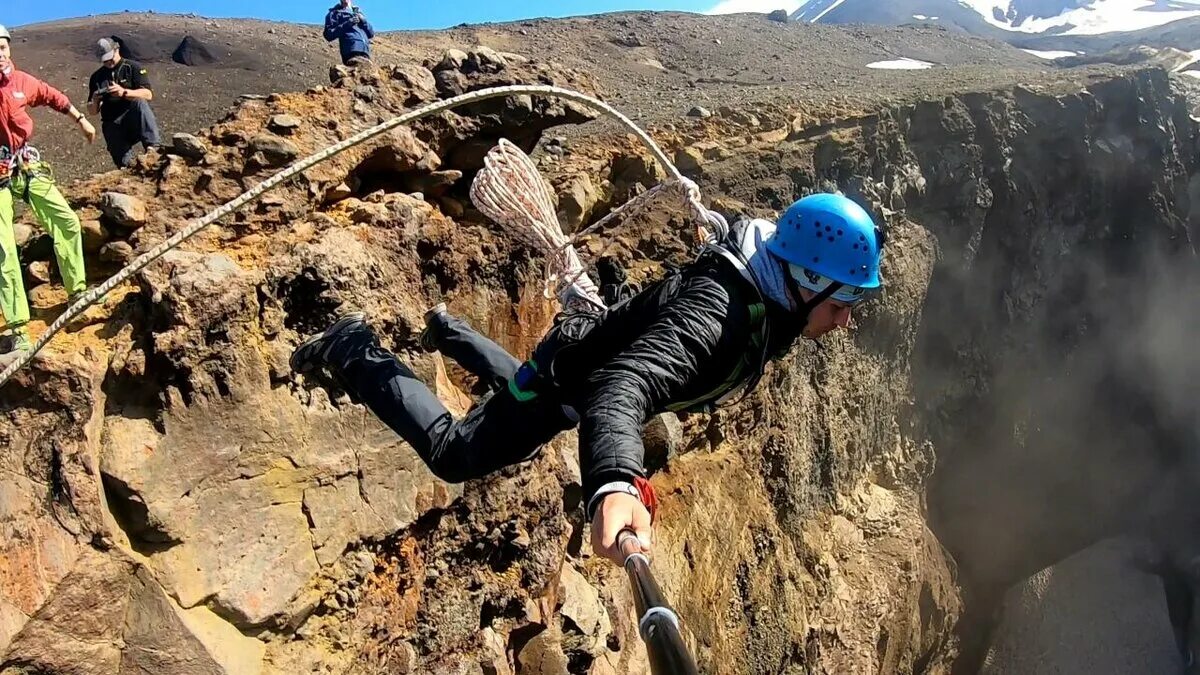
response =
{"points": [[19, 91]]}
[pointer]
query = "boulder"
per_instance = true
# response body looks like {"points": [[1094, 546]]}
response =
{"points": [[338, 74], [452, 59], [119, 252], [663, 437], [582, 605], [284, 124], [125, 210], [109, 615], [544, 655], [366, 92], [493, 656], [422, 87], [484, 59], [338, 193], [22, 232], [512, 58], [189, 147], [692, 158], [698, 111], [779, 15], [450, 82], [1102, 610], [689, 160], [45, 295], [39, 271], [277, 151], [576, 200]]}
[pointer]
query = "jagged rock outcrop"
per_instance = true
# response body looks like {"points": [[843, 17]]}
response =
{"points": [[162, 461], [178, 440]]}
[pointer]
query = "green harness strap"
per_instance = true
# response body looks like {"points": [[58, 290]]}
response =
{"points": [[752, 358]]}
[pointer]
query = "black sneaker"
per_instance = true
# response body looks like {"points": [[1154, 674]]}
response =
{"points": [[429, 336], [315, 352]]}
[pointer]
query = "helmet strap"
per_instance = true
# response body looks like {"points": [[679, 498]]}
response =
{"points": [[806, 308]]}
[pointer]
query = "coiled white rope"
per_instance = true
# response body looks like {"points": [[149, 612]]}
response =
{"points": [[140, 263], [511, 192]]}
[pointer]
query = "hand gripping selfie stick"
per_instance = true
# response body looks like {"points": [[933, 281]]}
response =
{"points": [[658, 625]]}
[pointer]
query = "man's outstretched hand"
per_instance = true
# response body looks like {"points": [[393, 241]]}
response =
{"points": [[86, 128], [619, 511]]}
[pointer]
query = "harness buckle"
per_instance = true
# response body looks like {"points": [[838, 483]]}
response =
{"points": [[13, 161], [29, 155]]}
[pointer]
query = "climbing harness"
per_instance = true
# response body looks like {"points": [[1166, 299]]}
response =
{"points": [[25, 163], [658, 624], [8, 165], [749, 369], [688, 188]]}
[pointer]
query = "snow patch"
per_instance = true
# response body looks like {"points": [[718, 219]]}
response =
{"points": [[1193, 56], [828, 9], [1049, 54], [1101, 16], [1192, 73], [900, 64], [922, 17]]}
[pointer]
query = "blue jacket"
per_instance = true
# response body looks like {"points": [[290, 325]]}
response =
{"points": [[354, 38]]}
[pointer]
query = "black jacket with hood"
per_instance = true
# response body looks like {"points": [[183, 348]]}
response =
{"points": [[676, 342]]}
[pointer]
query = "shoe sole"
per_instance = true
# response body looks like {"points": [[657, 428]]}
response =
{"points": [[430, 313], [426, 338], [357, 317]]}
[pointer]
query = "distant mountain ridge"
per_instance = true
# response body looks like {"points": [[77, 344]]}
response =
{"points": [[1075, 25]]}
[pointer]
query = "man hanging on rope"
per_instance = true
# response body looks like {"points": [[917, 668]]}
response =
{"points": [[24, 175], [686, 342]]}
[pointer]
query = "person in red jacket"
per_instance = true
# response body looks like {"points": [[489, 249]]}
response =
{"points": [[24, 175]]}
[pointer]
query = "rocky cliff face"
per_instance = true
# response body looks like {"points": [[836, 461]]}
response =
{"points": [[1043, 246], [175, 501]]}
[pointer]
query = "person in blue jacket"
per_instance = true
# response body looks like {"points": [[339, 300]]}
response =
{"points": [[346, 24]]}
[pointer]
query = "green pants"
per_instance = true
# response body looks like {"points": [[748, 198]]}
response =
{"points": [[35, 185]]}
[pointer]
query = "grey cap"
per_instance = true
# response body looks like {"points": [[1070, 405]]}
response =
{"points": [[106, 49]]}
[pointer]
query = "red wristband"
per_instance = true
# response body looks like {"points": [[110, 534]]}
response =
{"points": [[649, 499]]}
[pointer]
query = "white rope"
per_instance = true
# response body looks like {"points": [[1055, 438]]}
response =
{"points": [[140, 263], [511, 192]]}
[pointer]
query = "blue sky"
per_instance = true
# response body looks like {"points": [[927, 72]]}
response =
{"points": [[384, 14]]}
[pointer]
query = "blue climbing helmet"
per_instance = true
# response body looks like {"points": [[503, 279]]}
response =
{"points": [[827, 239]]}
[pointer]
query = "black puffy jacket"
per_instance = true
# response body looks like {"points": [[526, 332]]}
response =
{"points": [[676, 341]]}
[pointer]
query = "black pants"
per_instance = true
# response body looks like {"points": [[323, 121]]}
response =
{"points": [[122, 134], [498, 432]]}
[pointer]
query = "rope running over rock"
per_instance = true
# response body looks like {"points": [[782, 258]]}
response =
{"points": [[142, 261]]}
